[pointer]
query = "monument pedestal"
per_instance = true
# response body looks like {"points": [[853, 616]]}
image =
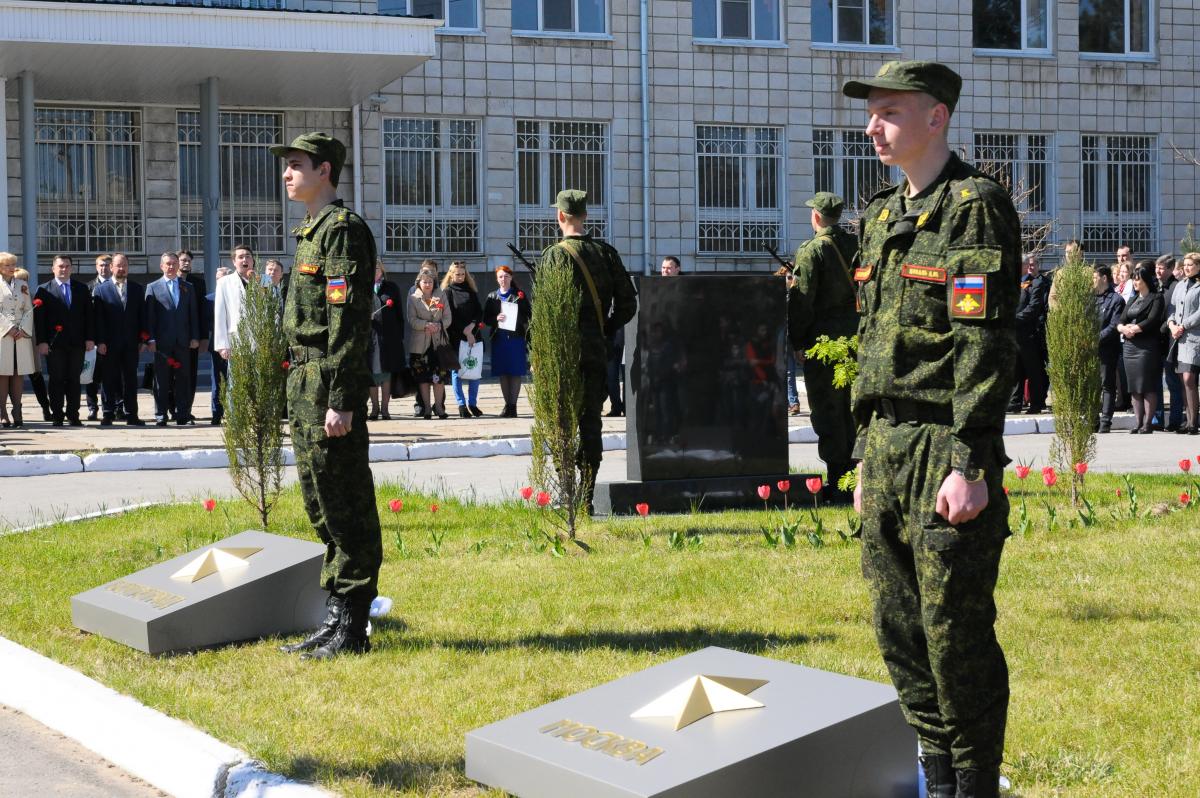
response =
{"points": [[703, 493]]}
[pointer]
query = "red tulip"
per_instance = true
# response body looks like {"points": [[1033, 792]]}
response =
{"points": [[287, 364], [1184, 498], [37, 303], [642, 508], [1022, 471], [526, 492], [1185, 465], [813, 484], [1081, 468], [1118, 493], [433, 508], [764, 492], [543, 498], [1049, 477], [58, 328], [209, 505], [395, 505], [783, 485], [1006, 491]]}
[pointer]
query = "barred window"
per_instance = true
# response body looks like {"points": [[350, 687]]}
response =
{"points": [[89, 180], [1011, 24], [757, 20], [740, 191], [1024, 164], [251, 210], [1120, 182], [552, 157], [431, 186], [1116, 27], [845, 163], [869, 22]]}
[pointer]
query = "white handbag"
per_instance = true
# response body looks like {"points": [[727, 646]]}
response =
{"points": [[89, 367], [470, 360]]}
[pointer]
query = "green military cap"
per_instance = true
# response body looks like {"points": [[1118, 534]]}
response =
{"points": [[322, 145], [827, 204], [572, 202], [937, 80]]}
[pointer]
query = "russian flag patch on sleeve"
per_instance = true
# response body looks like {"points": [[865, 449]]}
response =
{"points": [[336, 291], [968, 298]]}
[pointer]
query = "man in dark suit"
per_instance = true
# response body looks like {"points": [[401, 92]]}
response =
{"points": [[94, 388], [120, 307], [173, 322], [200, 286], [65, 330]]}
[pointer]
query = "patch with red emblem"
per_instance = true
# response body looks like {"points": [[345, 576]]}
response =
{"points": [[336, 291], [968, 298]]}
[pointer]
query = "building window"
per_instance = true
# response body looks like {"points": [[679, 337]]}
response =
{"points": [[251, 210], [431, 186], [1012, 24], [739, 176], [863, 22], [844, 162], [1023, 163], [262, 5], [753, 20], [1116, 27], [1120, 182], [455, 14], [89, 180], [559, 16], [551, 157]]}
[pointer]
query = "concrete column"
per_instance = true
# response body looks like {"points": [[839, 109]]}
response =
{"points": [[210, 173], [29, 218], [3, 165]]}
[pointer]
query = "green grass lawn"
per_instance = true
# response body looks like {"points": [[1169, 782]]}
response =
{"points": [[1099, 623]]}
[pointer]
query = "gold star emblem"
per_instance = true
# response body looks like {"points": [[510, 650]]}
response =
{"points": [[966, 193], [336, 294], [701, 696], [219, 559], [968, 304]]}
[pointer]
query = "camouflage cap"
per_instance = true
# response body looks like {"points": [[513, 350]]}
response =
{"points": [[321, 145], [827, 204], [572, 202], [937, 80]]}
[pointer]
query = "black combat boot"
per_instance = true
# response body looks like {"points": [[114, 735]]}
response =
{"points": [[322, 634], [978, 783], [350, 636], [940, 781]]}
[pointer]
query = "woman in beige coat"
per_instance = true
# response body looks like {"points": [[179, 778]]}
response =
{"points": [[16, 338], [428, 319]]}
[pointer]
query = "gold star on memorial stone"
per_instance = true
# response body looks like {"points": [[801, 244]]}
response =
{"points": [[219, 559], [701, 696]]}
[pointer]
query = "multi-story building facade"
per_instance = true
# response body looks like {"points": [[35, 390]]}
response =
{"points": [[1081, 105]]}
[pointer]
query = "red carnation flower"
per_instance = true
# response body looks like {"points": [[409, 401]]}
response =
{"points": [[209, 505], [642, 508], [813, 484], [783, 485], [287, 364], [389, 303], [526, 493], [395, 505], [520, 295], [58, 328], [37, 303], [145, 336], [543, 498]]}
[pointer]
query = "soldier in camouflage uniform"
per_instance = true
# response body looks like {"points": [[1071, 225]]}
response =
{"points": [[608, 301], [326, 322], [822, 302], [937, 279]]}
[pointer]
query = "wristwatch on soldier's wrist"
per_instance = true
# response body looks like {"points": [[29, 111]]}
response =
{"points": [[970, 474]]}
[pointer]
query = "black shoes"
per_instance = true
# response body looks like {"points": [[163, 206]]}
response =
{"points": [[323, 633], [940, 780], [475, 411], [385, 415], [984, 783], [510, 411], [441, 412], [1105, 427], [350, 636], [134, 421], [75, 421], [93, 413], [463, 412], [107, 421], [373, 415]]}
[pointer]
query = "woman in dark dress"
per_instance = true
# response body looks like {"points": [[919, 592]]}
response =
{"points": [[385, 352], [466, 318], [510, 359], [1139, 328]]}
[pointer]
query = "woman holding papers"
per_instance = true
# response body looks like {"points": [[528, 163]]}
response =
{"points": [[506, 311]]}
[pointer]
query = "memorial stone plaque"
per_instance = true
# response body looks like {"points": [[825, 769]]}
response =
{"points": [[248, 586], [711, 723], [706, 402]]}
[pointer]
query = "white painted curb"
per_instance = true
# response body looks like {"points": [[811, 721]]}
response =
{"points": [[169, 754], [36, 465], [156, 460], [802, 435]]}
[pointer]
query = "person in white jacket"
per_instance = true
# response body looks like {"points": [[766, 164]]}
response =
{"points": [[229, 300]]}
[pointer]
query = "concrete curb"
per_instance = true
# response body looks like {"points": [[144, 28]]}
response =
{"points": [[167, 753], [36, 465]]}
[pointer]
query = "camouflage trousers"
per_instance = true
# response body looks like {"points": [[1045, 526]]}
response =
{"points": [[831, 418], [337, 486], [591, 443], [931, 585]]}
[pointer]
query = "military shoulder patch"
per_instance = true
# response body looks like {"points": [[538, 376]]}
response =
{"points": [[927, 274], [336, 291], [968, 298], [863, 273], [883, 215], [308, 268]]}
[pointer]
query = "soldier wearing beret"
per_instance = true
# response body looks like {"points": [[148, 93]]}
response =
{"points": [[608, 301], [327, 320], [937, 276], [822, 302]]}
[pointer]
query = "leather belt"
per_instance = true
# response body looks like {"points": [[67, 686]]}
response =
{"points": [[299, 355], [906, 411]]}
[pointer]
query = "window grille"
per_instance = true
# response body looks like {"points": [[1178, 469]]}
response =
{"points": [[432, 174], [252, 194], [739, 173], [1023, 163], [551, 157], [1120, 183], [89, 180], [845, 163]]}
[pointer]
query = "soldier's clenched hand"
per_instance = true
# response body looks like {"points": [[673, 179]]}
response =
{"points": [[958, 501], [337, 422]]}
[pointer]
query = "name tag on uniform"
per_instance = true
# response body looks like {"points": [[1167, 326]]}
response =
{"points": [[968, 299], [927, 274], [336, 291], [308, 268], [863, 273]]}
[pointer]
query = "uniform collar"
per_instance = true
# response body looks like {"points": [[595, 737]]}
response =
{"points": [[307, 227]]}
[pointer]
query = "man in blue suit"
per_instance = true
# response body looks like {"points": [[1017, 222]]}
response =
{"points": [[173, 322], [65, 330], [121, 336]]}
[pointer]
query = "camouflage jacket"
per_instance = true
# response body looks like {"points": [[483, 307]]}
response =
{"points": [[329, 300], [822, 300], [618, 299], [938, 290]]}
